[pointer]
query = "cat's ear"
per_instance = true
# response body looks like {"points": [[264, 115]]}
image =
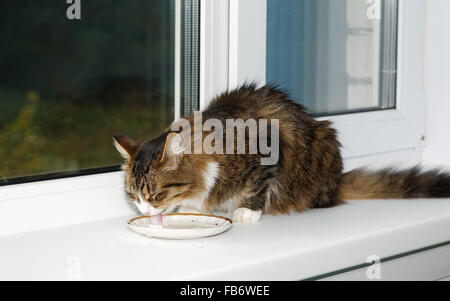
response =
{"points": [[173, 151], [125, 146]]}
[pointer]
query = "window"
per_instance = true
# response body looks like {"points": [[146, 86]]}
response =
{"points": [[334, 56], [67, 85], [192, 50], [365, 94]]}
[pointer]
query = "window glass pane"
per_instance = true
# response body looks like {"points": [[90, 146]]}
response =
{"points": [[334, 56], [66, 86]]}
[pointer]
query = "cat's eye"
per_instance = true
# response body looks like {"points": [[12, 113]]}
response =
{"points": [[159, 196], [171, 185], [132, 196]]}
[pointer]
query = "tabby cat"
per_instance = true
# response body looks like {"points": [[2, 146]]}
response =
{"points": [[161, 177]]}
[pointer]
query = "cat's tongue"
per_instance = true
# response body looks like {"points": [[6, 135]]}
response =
{"points": [[156, 220]]}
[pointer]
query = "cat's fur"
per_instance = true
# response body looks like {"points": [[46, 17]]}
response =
{"points": [[307, 175]]}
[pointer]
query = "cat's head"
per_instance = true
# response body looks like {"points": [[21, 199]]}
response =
{"points": [[158, 175]]}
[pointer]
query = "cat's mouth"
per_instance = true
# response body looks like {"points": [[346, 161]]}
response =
{"points": [[155, 212]]}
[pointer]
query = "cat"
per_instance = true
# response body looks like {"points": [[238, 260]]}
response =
{"points": [[161, 177]]}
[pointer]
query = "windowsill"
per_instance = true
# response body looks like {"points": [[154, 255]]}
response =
{"points": [[293, 247]]}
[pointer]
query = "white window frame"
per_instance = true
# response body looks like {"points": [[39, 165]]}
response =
{"points": [[362, 134], [233, 43], [437, 83]]}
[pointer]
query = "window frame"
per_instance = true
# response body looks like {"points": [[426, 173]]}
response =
{"points": [[405, 123], [232, 50], [437, 77]]}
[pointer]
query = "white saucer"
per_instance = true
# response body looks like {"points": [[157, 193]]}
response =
{"points": [[181, 226]]}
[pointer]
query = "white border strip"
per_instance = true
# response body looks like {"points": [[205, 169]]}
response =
{"points": [[247, 56], [213, 49]]}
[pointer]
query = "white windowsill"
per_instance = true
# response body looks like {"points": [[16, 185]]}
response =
{"points": [[84, 219], [291, 247]]}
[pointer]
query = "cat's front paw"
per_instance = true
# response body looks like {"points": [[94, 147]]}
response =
{"points": [[245, 215]]}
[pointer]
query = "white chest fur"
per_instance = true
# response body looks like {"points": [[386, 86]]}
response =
{"points": [[210, 175]]}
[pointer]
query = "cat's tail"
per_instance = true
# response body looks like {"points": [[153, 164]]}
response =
{"points": [[389, 183]]}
